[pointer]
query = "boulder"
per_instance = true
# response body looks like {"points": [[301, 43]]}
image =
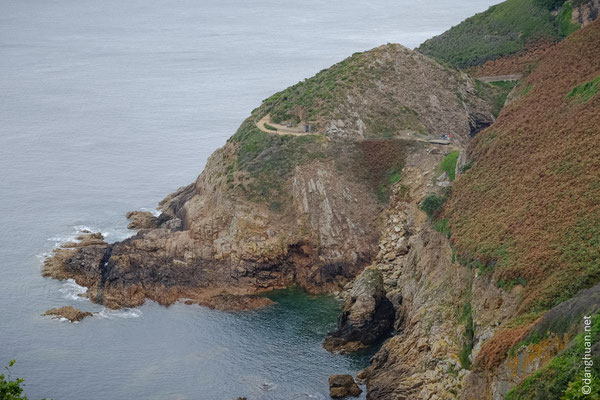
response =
{"points": [[343, 386], [367, 317], [141, 220], [68, 312]]}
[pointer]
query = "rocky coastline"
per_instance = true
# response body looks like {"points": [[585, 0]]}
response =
{"points": [[363, 207]]}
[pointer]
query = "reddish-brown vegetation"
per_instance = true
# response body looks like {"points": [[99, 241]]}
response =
{"points": [[519, 63], [494, 350], [531, 202]]}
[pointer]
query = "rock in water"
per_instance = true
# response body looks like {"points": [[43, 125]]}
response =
{"points": [[68, 312], [343, 386], [368, 315], [141, 220]]}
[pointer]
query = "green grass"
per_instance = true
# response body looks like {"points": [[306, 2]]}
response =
{"points": [[299, 102], [502, 30], [442, 227], [270, 159], [563, 20], [511, 283], [270, 127], [585, 91], [449, 164], [561, 378]]}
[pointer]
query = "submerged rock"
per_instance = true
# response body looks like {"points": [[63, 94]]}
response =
{"points": [[367, 317], [68, 312], [343, 386]]}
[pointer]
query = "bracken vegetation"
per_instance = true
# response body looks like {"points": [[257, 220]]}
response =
{"points": [[530, 205], [502, 30]]}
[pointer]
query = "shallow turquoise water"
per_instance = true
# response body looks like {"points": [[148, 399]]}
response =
{"points": [[107, 106]]}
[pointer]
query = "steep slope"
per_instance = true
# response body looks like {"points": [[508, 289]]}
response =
{"points": [[507, 28], [489, 296], [272, 210], [382, 92]]}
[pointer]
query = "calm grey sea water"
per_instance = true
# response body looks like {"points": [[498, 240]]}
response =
{"points": [[107, 106]]}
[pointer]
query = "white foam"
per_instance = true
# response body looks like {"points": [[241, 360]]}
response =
{"points": [[116, 235], [123, 313], [72, 291], [154, 211]]}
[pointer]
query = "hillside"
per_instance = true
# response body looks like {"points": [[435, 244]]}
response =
{"points": [[385, 91], [272, 210], [535, 175], [491, 292], [508, 28]]}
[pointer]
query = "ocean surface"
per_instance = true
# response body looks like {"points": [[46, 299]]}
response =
{"points": [[107, 106]]}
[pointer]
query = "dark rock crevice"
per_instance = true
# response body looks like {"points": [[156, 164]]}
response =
{"points": [[367, 318], [104, 269]]}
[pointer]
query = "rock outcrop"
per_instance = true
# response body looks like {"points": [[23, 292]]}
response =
{"points": [[367, 317], [142, 220], [343, 386], [479, 317], [585, 12], [70, 313], [270, 210]]}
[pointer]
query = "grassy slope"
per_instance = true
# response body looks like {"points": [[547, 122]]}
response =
{"points": [[502, 30], [529, 208], [315, 99]]}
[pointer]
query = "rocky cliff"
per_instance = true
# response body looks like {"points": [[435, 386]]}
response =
{"points": [[477, 261], [493, 286], [272, 210]]}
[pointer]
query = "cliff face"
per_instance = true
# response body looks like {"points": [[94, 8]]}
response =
{"points": [[478, 284], [493, 286], [271, 210]]}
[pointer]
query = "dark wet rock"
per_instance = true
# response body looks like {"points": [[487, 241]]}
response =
{"points": [[343, 386], [367, 317], [68, 312]]}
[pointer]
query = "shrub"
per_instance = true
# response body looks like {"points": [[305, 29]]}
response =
{"points": [[11, 389], [432, 204], [563, 20]]}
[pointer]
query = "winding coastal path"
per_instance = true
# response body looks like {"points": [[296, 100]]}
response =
{"points": [[280, 129], [298, 131]]}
